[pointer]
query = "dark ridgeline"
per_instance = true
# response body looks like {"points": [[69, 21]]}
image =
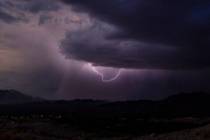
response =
{"points": [[113, 118], [183, 104], [16, 97]]}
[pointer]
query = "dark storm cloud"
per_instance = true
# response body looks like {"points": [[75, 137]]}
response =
{"points": [[36, 6], [92, 45], [171, 22], [6, 17], [14, 11], [182, 27]]}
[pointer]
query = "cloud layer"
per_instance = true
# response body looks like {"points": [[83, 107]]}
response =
{"points": [[46, 46], [157, 34]]}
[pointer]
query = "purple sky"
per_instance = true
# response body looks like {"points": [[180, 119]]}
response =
{"points": [[114, 50]]}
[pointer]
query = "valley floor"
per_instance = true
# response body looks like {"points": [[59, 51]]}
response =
{"points": [[48, 130]]}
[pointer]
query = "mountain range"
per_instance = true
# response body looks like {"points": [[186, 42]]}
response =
{"points": [[16, 97], [183, 104]]}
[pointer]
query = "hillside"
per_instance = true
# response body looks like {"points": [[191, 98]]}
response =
{"points": [[15, 97]]}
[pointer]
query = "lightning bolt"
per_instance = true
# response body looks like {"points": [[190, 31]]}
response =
{"points": [[94, 69]]}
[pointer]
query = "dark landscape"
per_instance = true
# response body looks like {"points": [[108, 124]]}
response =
{"points": [[34, 118]]}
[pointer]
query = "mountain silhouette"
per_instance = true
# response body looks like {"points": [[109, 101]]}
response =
{"points": [[179, 105], [16, 97], [194, 104]]}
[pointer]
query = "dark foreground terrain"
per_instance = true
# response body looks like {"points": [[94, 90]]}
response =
{"points": [[45, 129], [179, 117]]}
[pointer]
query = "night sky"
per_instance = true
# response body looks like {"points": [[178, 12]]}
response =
{"points": [[105, 49]]}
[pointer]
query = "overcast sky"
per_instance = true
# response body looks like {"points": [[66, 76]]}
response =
{"points": [[105, 49]]}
